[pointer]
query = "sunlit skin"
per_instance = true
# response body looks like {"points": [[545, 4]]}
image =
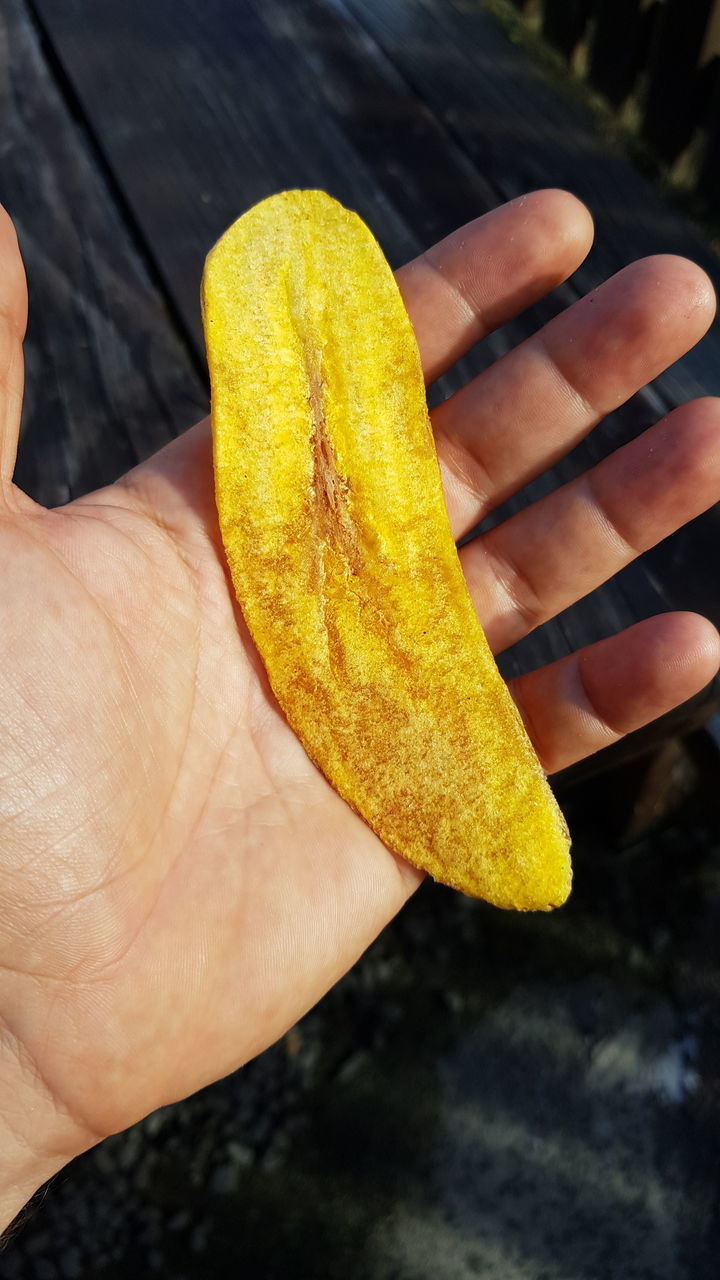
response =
{"points": [[178, 883]]}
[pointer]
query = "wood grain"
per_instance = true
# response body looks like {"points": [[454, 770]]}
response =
{"points": [[107, 379], [213, 109]]}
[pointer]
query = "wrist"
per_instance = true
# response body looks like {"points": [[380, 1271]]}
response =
{"points": [[37, 1137]]}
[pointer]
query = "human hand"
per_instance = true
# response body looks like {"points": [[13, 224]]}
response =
{"points": [[178, 882]]}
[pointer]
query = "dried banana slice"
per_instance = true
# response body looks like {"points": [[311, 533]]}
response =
{"points": [[335, 529]]}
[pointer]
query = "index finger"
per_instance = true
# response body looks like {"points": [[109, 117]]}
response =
{"points": [[488, 271]]}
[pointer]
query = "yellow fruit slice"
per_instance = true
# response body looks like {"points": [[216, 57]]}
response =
{"points": [[339, 545]]}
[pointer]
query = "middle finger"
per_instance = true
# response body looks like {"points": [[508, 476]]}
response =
{"points": [[532, 406]]}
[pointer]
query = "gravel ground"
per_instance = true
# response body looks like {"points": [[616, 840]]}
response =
{"points": [[486, 1094]]}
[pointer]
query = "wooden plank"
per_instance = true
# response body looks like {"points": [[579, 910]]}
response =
{"points": [[418, 166], [360, 135], [380, 149], [411, 163], [107, 380], [202, 110]]}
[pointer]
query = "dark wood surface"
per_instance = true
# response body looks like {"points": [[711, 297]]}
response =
{"points": [[107, 378], [136, 132]]}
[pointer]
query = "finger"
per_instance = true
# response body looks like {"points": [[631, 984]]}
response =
{"points": [[486, 272], [555, 551], [13, 319], [579, 704], [537, 402]]}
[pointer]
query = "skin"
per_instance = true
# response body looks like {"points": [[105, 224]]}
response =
{"points": [[178, 883]]}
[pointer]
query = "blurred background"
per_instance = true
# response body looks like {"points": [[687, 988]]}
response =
{"points": [[485, 1094]]}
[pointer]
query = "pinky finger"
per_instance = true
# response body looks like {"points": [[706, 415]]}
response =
{"points": [[588, 700]]}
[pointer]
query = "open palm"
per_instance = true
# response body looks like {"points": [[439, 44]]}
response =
{"points": [[178, 882]]}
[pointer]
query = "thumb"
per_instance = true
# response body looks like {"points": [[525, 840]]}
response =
{"points": [[13, 319]]}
